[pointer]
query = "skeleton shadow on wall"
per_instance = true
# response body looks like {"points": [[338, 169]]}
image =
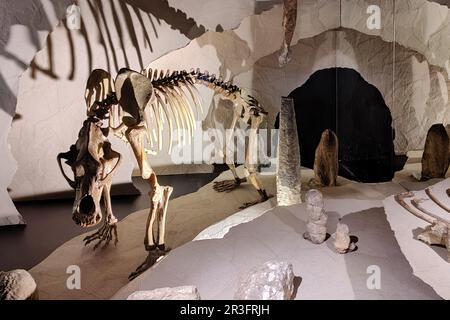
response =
{"points": [[126, 16], [31, 14]]}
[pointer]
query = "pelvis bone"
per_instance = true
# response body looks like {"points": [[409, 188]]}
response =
{"points": [[93, 164]]}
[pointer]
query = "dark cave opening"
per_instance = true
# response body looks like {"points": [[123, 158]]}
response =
{"points": [[341, 100]]}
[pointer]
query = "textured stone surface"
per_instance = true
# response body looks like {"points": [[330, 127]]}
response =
{"points": [[316, 228], [289, 184], [17, 285], [420, 25], [178, 293], [274, 280], [435, 158], [342, 242]]}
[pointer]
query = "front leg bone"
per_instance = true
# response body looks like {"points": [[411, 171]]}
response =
{"points": [[159, 196], [155, 244]]}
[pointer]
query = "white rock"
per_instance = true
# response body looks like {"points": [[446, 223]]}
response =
{"points": [[274, 280], [178, 293], [343, 243], [316, 228], [221, 228], [17, 285]]}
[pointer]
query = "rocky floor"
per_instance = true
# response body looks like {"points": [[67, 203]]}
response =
{"points": [[214, 266], [230, 242]]}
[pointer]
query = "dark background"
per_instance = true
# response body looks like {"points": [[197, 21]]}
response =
{"points": [[341, 100]]}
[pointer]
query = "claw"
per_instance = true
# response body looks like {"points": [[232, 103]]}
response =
{"points": [[153, 257], [104, 235], [252, 203]]}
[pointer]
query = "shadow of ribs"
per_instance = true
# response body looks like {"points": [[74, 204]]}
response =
{"points": [[135, 107]]}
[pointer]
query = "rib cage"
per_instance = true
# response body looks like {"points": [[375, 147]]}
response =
{"points": [[176, 99], [176, 102], [175, 78]]}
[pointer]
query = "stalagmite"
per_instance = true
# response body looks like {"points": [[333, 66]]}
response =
{"points": [[435, 159], [326, 163], [342, 242], [316, 229], [289, 174]]}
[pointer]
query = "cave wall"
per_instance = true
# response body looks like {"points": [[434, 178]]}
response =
{"points": [[411, 73], [415, 91], [24, 26], [114, 34], [51, 99], [239, 39]]}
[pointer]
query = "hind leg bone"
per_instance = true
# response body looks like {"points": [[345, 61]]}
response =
{"points": [[230, 185], [251, 161]]}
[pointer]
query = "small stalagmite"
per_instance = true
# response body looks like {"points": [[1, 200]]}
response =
{"points": [[343, 243], [435, 159], [289, 24], [316, 228], [326, 163]]}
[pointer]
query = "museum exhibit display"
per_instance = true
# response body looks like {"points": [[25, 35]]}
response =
{"points": [[242, 150]]}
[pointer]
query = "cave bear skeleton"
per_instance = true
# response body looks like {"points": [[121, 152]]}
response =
{"points": [[135, 107]]}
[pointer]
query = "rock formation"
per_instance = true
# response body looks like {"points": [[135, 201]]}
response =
{"points": [[342, 242], [288, 175], [289, 24], [274, 280], [178, 293], [316, 229], [17, 285], [435, 159], [326, 163]]}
